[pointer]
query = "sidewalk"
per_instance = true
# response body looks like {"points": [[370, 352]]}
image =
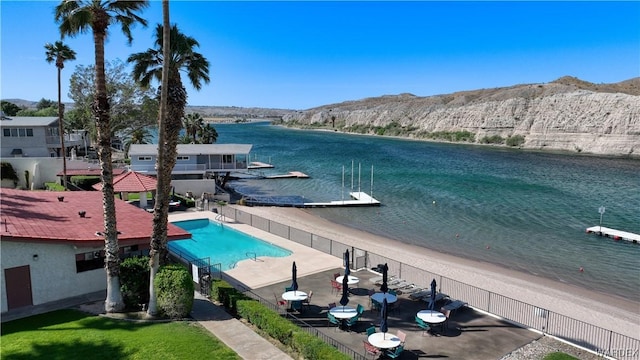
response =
{"points": [[240, 338]]}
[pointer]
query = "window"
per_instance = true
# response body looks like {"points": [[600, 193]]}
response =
{"points": [[227, 159], [17, 132], [89, 261], [144, 158], [182, 158]]}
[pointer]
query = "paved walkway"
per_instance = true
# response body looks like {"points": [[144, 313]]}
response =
{"points": [[236, 335]]}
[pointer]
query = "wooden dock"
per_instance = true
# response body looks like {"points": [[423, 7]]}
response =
{"points": [[614, 234], [358, 198], [290, 174]]}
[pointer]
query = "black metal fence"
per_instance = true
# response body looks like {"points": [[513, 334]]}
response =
{"points": [[594, 338]]}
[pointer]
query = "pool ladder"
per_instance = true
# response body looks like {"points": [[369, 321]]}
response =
{"points": [[252, 255]]}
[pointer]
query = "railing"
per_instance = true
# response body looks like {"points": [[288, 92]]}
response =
{"points": [[589, 336]]}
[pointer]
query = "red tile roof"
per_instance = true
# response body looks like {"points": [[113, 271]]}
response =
{"points": [[131, 181], [38, 216]]}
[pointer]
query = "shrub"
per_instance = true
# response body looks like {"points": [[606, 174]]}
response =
{"points": [[85, 182], [494, 139], [174, 289], [515, 140], [8, 172], [134, 277], [51, 186]]}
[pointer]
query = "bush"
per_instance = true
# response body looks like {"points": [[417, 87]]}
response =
{"points": [[85, 182], [8, 172], [51, 186], [134, 278], [515, 140], [174, 289], [494, 139]]}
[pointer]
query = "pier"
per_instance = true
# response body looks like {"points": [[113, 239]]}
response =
{"points": [[357, 199], [290, 174], [614, 234]]}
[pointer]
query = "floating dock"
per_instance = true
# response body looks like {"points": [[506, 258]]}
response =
{"points": [[290, 174], [357, 199], [259, 165], [614, 234]]}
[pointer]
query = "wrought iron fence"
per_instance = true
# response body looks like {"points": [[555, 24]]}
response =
{"points": [[591, 337]]}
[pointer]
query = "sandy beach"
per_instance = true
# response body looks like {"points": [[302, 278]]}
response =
{"points": [[613, 313]]}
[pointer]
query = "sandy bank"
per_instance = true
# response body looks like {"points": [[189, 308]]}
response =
{"points": [[614, 313]]}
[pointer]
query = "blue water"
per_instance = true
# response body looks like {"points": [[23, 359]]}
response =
{"points": [[525, 210], [222, 244]]}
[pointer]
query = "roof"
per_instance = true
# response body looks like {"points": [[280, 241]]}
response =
{"points": [[193, 149], [38, 216], [28, 121], [131, 181]]}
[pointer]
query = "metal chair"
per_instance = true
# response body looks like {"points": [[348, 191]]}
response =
{"points": [[332, 320], [280, 303], [402, 336], [307, 302], [369, 349], [371, 330], [394, 353], [423, 325], [296, 305]]}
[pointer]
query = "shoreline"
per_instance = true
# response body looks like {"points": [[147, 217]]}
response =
{"points": [[613, 313]]}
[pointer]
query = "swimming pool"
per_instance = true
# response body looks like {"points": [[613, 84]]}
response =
{"points": [[221, 244]]}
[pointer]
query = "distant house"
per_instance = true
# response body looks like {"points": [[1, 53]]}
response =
{"points": [[194, 161], [34, 137], [50, 252]]}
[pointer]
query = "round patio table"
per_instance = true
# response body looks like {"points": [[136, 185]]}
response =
{"points": [[343, 313], [431, 316], [295, 295], [384, 340], [379, 297], [351, 280]]}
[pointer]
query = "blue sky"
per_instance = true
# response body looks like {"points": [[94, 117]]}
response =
{"points": [[298, 55]]}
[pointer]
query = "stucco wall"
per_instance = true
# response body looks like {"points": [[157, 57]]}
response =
{"points": [[53, 274], [40, 169]]}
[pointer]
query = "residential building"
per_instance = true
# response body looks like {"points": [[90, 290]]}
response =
{"points": [[35, 137]]}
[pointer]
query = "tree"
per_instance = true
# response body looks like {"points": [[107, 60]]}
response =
{"points": [[179, 48], [132, 106], [137, 136], [208, 134], [193, 124], [60, 53], [46, 103], [9, 108], [80, 16]]}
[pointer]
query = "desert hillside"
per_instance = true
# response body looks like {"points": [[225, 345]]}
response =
{"points": [[567, 114]]}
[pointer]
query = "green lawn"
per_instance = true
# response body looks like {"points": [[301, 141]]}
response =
{"points": [[70, 334]]}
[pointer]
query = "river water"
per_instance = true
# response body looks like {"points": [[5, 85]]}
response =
{"points": [[525, 210]]}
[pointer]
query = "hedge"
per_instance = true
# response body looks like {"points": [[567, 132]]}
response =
{"points": [[279, 328]]}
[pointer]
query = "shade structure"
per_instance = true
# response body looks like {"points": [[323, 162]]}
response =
{"points": [[347, 270], [432, 299], [383, 317], [294, 277], [384, 287], [344, 300], [131, 181]]}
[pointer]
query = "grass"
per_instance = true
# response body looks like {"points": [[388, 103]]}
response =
{"points": [[71, 334]]}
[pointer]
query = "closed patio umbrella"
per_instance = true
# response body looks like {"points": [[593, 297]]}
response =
{"points": [[432, 300], [384, 287], [344, 300], [294, 275], [347, 271], [383, 318]]}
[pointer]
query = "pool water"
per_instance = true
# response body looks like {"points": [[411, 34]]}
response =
{"points": [[221, 244]]}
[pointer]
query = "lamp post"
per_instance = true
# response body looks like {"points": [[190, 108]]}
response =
{"points": [[601, 211]]}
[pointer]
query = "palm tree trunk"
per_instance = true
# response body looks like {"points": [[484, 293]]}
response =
{"points": [[61, 130], [100, 107], [159, 236]]}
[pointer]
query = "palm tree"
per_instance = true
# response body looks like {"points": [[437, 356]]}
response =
{"points": [[137, 136], [208, 134], [81, 16], [193, 124], [147, 66], [59, 53]]}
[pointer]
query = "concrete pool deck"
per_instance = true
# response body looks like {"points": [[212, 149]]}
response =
{"points": [[267, 271]]}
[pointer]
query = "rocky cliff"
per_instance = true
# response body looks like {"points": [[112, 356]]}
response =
{"points": [[566, 114]]}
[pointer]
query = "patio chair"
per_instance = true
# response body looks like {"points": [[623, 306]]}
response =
{"points": [[375, 306], [394, 353], [332, 320], [418, 295], [360, 309], [371, 330], [352, 321], [307, 302], [422, 325], [296, 305], [336, 287], [447, 314], [369, 349], [288, 288], [335, 276], [279, 302], [402, 336]]}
